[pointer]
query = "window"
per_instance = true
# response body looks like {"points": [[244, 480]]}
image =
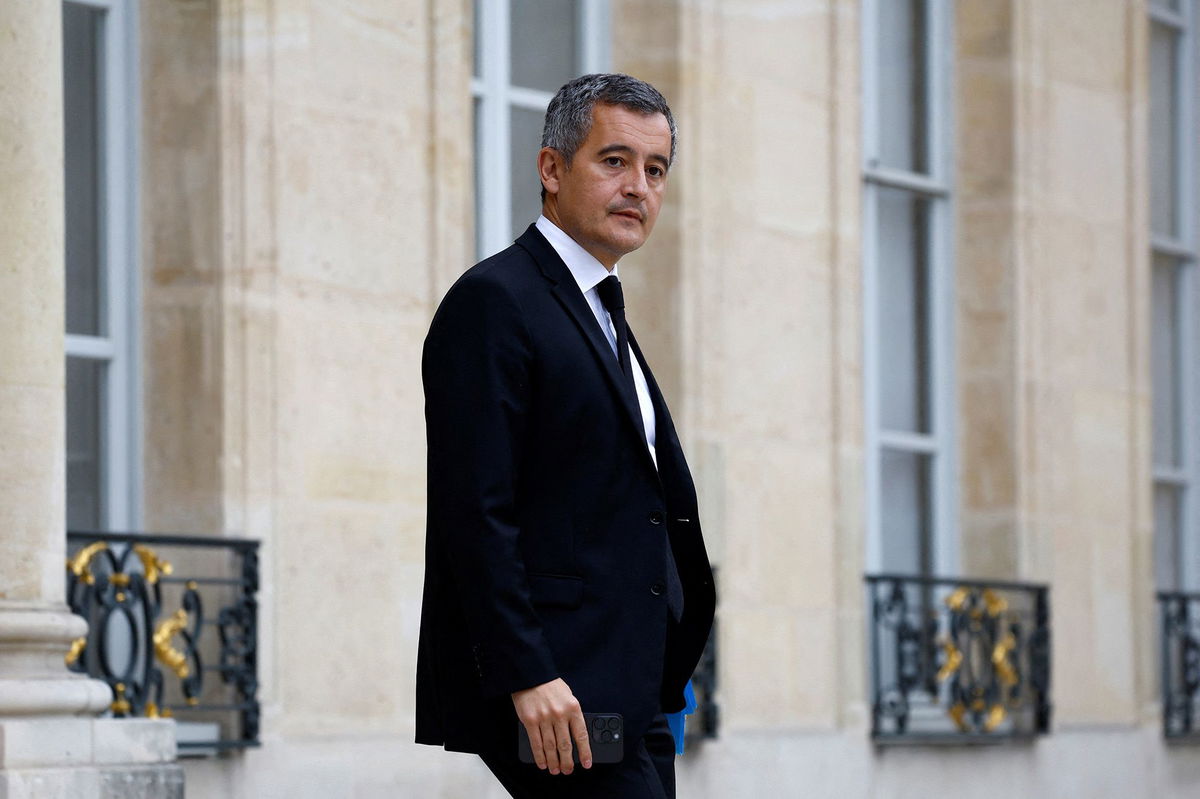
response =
{"points": [[524, 51], [1175, 293], [102, 450], [908, 287]]}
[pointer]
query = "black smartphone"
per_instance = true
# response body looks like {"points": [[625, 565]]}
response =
{"points": [[606, 734]]}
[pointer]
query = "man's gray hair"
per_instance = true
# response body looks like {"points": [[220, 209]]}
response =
{"points": [[569, 115]]}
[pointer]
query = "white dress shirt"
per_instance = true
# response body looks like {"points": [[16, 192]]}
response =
{"points": [[588, 272]]}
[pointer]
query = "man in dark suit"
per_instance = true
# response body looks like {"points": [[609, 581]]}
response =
{"points": [[565, 568]]}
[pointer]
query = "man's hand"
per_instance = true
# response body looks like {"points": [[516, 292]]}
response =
{"points": [[552, 716]]}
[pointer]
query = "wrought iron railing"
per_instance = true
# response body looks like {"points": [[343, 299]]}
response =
{"points": [[152, 635], [958, 660], [1180, 613]]}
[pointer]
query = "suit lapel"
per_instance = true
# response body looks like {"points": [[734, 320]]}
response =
{"points": [[567, 292]]}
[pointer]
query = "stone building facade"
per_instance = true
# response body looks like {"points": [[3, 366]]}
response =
{"points": [[921, 298]]}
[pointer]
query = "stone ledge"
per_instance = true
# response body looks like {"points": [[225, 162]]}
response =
{"points": [[132, 782], [133, 741], [50, 783], [42, 743], [141, 782], [57, 742]]}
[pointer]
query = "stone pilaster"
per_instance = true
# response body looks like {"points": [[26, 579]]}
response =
{"points": [[50, 746], [35, 626]]}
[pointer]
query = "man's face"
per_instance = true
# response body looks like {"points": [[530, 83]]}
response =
{"points": [[609, 197]]}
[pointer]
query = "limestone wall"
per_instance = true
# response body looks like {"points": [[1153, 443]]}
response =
{"points": [[768, 338], [1082, 272], [308, 190]]}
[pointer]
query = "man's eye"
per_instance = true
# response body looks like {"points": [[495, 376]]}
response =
{"points": [[656, 171], [612, 160]]}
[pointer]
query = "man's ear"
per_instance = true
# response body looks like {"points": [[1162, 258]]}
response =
{"points": [[550, 168]]}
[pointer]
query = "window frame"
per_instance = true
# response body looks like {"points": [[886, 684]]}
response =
{"points": [[119, 348], [937, 186], [497, 96], [1183, 251]]}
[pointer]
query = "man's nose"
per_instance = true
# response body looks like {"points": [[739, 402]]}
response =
{"points": [[635, 184]]}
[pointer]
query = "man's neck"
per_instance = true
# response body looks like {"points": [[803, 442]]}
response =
{"points": [[550, 211]]}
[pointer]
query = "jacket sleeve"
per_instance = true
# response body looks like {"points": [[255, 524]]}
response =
{"points": [[476, 370]]}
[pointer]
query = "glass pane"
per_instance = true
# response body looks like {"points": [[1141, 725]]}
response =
{"points": [[1165, 361], [1164, 124], [524, 144], [1168, 549], [544, 42], [1171, 5], [83, 82], [905, 516], [903, 282], [85, 384], [903, 84]]}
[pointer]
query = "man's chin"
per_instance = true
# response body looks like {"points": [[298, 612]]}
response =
{"points": [[626, 247], [625, 241]]}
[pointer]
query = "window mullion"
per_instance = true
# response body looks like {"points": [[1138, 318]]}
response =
{"points": [[1172, 247], [1171, 476], [495, 218], [118, 401], [872, 148], [1171, 19], [532, 99], [96, 348], [1186, 87], [925, 185], [101, 5], [594, 29], [941, 287], [902, 441]]}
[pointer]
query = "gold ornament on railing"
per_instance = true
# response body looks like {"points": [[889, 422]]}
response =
{"points": [[1005, 670], [994, 606], [168, 655], [80, 564], [153, 711], [77, 647], [152, 564], [154, 568], [120, 706], [954, 659]]}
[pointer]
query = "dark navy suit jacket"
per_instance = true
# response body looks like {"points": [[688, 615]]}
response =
{"points": [[547, 521]]}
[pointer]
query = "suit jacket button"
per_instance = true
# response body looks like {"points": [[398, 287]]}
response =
{"points": [[656, 517], [657, 589]]}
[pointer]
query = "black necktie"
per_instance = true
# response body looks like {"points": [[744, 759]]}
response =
{"points": [[613, 299], [609, 290]]}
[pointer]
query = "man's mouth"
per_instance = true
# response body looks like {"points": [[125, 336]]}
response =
{"points": [[630, 214]]}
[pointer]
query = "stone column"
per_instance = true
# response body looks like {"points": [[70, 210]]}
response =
{"points": [[49, 744], [35, 626]]}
